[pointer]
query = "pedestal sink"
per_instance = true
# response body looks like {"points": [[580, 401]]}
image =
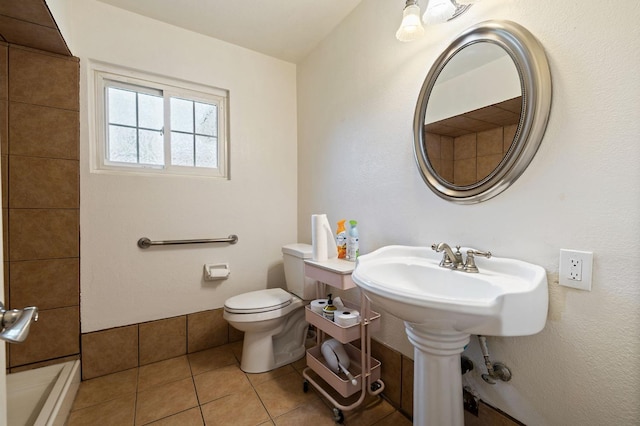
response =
{"points": [[441, 308]]}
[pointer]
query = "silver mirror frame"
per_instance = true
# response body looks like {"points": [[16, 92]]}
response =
{"points": [[535, 78]]}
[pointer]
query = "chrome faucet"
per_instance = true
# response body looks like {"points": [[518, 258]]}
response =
{"points": [[15, 323], [453, 260]]}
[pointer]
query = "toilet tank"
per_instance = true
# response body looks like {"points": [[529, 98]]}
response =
{"points": [[297, 283]]}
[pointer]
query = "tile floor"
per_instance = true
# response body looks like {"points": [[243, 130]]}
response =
{"points": [[208, 388]]}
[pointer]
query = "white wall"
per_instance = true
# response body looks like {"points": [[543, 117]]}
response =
{"points": [[356, 98], [122, 284]]}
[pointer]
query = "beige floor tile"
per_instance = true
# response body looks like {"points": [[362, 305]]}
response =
{"points": [[394, 419], [158, 373], [211, 359], [315, 412], [221, 382], [117, 412], [257, 378], [373, 409], [160, 402], [105, 388], [191, 417], [284, 394], [238, 409]]}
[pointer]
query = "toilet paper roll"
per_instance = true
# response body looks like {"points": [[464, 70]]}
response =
{"points": [[317, 305], [346, 318], [318, 237]]}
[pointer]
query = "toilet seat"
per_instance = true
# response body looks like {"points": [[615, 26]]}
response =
{"points": [[258, 301]]}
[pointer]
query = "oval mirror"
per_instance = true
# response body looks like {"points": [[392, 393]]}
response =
{"points": [[482, 112]]}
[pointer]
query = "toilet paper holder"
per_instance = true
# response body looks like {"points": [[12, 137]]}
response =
{"points": [[216, 271]]}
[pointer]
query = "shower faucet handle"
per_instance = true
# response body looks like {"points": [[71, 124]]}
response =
{"points": [[15, 323]]}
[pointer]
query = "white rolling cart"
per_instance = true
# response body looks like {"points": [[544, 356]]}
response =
{"points": [[337, 388]]}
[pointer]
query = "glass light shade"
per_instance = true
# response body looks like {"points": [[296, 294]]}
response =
{"points": [[438, 11], [411, 26]]}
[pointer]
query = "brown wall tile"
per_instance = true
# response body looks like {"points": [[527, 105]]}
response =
{"points": [[206, 330], [43, 79], [235, 335], [163, 339], [7, 298], [109, 351], [39, 131], [4, 71], [43, 183], [30, 11], [509, 134], [490, 142], [54, 335], [45, 363], [43, 234], [4, 127], [5, 181], [464, 147], [464, 171], [446, 147], [487, 164], [447, 170], [33, 35], [432, 141], [407, 386], [5, 234], [391, 371], [57, 279]]}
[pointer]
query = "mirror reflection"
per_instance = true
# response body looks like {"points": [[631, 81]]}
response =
{"points": [[472, 114]]}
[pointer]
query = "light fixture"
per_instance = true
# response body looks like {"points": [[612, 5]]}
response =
{"points": [[437, 12], [411, 26]]}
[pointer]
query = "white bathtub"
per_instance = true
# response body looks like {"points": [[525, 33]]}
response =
{"points": [[43, 396]]}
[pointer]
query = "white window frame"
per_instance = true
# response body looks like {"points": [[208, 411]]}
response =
{"points": [[107, 75]]}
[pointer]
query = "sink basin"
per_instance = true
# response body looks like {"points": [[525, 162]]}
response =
{"points": [[507, 297], [441, 308]]}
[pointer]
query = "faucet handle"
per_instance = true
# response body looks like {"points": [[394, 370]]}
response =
{"points": [[470, 264], [15, 323]]}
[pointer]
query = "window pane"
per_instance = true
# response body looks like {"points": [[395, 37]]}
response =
{"points": [[150, 111], [151, 148], [181, 115], [181, 149], [122, 144], [122, 106], [206, 152], [206, 119]]}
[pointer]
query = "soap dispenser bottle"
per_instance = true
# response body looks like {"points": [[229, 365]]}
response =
{"points": [[329, 310], [341, 239], [353, 242]]}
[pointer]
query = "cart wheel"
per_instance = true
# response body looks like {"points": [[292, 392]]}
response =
{"points": [[305, 386], [338, 417], [375, 386]]}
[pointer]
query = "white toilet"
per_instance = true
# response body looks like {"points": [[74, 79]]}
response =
{"points": [[273, 319]]}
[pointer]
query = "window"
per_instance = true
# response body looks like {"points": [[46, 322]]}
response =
{"points": [[152, 124]]}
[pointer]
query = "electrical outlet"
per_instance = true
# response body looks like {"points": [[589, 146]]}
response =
{"points": [[576, 268]]}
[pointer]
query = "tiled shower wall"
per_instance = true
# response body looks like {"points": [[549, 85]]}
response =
{"points": [[39, 112], [467, 159]]}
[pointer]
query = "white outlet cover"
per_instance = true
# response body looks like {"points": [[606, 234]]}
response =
{"points": [[565, 268]]}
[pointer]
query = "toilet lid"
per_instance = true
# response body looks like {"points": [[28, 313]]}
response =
{"points": [[258, 301]]}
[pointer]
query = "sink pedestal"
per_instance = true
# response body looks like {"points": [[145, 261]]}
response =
{"points": [[437, 380]]}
